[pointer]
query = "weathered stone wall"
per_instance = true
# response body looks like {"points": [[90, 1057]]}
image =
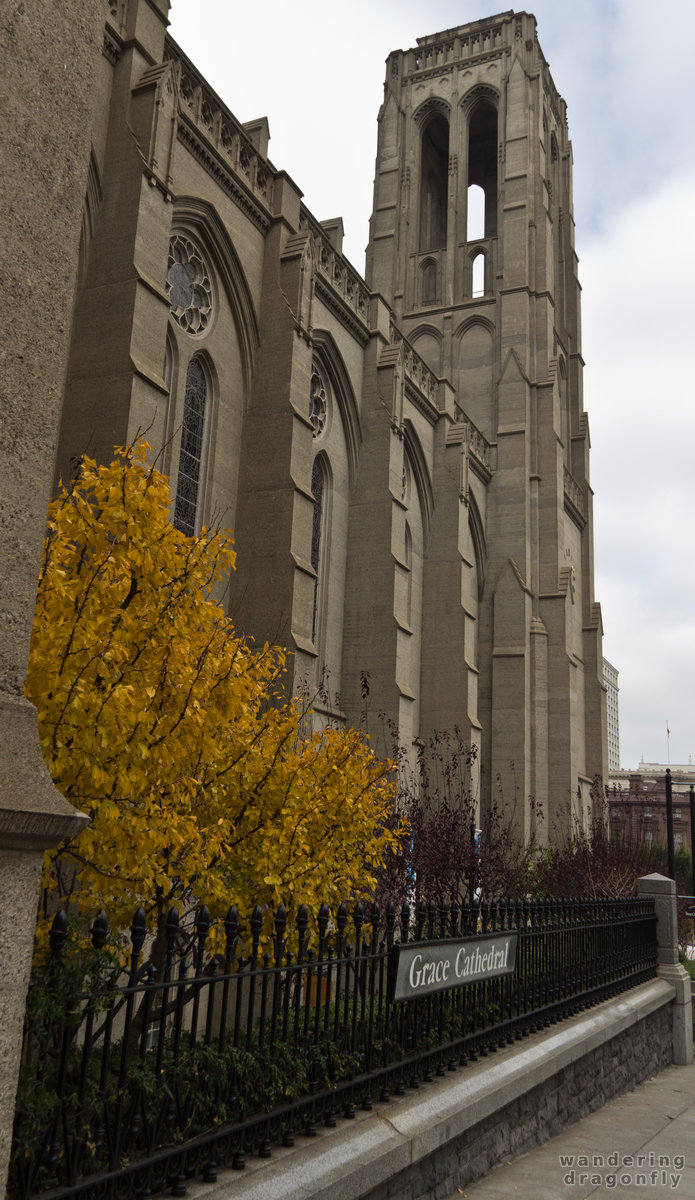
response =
{"points": [[453, 1130], [48, 59], [541, 1113], [48, 56]]}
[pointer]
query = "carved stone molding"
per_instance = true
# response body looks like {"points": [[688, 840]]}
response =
{"points": [[189, 285], [482, 92], [434, 106], [318, 404], [112, 47], [223, 176]]}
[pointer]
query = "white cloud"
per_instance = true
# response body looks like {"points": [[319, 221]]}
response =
{"points": [[638, 336]]}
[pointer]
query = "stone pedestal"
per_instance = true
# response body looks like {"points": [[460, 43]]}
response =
{"points": [[33, 816], [663, 891]]}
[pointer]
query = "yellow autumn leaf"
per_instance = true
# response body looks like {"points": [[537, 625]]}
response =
{"points": [[201, 774]]}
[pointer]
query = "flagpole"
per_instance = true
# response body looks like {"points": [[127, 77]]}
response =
{"points": [[668, 744]]}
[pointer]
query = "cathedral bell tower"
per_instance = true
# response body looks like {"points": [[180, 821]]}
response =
{"points": [[472, 244]]}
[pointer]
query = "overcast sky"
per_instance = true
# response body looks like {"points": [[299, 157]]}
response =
{"points": [[316, 70]]}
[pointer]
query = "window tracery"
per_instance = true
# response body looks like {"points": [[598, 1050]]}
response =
{"points": [[317, 490], [189, 285], [318, 405], [409, 568], [191, 453]]}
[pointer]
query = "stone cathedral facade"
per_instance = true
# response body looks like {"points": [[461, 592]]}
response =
{"points": [[404, 459]]}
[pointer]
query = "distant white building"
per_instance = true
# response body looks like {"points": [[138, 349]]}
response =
{"points": [[610, 679]]}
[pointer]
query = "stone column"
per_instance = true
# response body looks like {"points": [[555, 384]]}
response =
{"points": [[49, 54], [663, 891]]}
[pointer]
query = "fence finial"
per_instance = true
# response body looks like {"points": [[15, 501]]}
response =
{"points": [[100, 930], [59, 932]]}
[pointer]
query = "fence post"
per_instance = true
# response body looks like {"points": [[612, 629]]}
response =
{"points": [[669, 825], [663, 891]]}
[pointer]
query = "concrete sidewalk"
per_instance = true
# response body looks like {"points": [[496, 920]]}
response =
{"points": [[641, 1144]]}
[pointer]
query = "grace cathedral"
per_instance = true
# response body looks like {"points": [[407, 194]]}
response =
{"points": [[404, 458]]}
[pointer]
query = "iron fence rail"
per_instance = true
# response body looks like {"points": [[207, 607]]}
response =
{"points": [[197, 1059]]}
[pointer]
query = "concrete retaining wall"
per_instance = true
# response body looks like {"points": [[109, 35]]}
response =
{"points": [[456, 1129]]}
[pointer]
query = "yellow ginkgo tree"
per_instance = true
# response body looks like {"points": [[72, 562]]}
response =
{"points": [[173, 732]]}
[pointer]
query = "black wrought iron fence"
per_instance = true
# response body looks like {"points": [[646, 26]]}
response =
{"points": [[151, 1076]]}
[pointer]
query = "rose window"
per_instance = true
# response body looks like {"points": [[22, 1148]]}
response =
{"points": [[317, 404], [189, 286]]}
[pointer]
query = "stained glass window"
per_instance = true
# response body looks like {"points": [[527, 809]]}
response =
{"points": [[409, 568], [190, 457], [317, 487]]}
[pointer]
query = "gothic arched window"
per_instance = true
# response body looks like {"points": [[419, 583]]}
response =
{"points": [[475, 224], [434, 183], [478, 274], [482, 160], [410, 583], [429, 282], [409, 569], [191, 453], [318, 480]]}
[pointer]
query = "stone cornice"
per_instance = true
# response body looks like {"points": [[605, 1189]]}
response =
{"points": [[464, 432], [33, 813], [222, 143], [415, 367], [337, 282], [335, 303], [420, 402], [450, 68], [222, 175]]}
